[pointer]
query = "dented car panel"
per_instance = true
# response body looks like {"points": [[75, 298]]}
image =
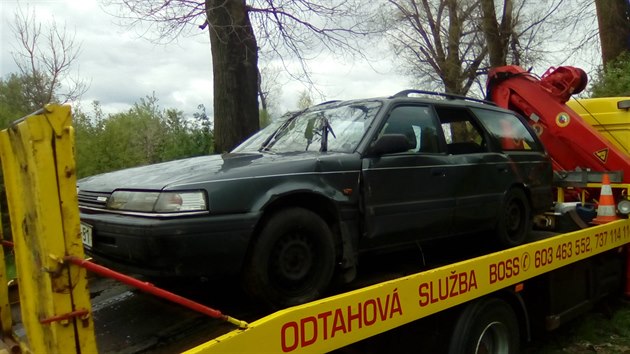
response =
{"points": [[235, 201]]}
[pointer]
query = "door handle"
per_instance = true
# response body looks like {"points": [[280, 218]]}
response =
{"points": [[502, 168]]}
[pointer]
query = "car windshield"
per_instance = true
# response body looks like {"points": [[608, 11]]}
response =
{"points": [[338, 127]]}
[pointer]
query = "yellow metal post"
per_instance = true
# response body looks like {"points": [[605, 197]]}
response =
{"points": [[39, 170], [560, 198]]}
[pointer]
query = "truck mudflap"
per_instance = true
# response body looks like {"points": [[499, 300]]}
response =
{"points": [[340, 320]]}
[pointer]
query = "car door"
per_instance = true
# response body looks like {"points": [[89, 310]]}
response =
{"points": [[528, 163], [408, 195], [482, 175]]}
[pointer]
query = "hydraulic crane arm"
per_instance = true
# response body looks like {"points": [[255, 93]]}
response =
{"points": [[571, 142]]}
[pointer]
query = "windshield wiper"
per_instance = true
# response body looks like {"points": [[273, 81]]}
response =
{"points": [[326, 128], [267, 144]]}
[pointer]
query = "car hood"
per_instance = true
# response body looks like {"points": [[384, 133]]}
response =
{"points": [[193, 171]]}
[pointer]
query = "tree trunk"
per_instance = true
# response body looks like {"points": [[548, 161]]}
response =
{"points": [[497, 35], [453, 64], [614, 28], [235, 70]]}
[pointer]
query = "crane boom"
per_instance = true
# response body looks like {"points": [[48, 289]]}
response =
{"points": [[572, 143]]}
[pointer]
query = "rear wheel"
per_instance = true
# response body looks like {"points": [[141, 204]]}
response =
{"points": [[486, 326], [515, 219], [292, 261]]}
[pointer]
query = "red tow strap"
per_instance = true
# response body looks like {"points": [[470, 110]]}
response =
{"points": [[152, 289]]}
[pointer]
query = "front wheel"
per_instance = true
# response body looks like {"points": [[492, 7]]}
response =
{"points": [[515, 219], [486, 326], [292, 260]]}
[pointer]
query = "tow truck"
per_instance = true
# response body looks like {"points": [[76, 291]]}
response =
{"points": [[491, 302]]}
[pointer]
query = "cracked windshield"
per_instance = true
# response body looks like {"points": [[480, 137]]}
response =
{"points": [[336, 128]]}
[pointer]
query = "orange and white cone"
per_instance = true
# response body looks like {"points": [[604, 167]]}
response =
{"points": [[606, 210]]}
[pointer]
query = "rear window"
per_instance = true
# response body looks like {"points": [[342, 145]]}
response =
{"points": [[509, 131]]}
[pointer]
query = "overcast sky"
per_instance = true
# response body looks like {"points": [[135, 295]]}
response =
{"points": [[122, 67]]}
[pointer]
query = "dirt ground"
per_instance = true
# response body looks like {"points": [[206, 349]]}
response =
{"points": [[605, 330]]}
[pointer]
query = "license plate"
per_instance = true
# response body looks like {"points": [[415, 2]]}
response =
{"points": [[86, 234]]}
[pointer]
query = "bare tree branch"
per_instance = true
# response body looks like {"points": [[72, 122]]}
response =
{"points": [[436, 41], [45, 58], [290, 31], [287, 30], [453, 42]]}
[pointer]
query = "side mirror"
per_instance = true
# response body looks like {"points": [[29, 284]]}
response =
{"points": [[390, 144]]}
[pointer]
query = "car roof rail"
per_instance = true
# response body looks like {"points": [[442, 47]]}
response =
{"points": [[450, 96], [327, 102]]}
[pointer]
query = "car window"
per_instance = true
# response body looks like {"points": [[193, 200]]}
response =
{"points": [[335, 127], [507, 129], [461, 131], [254, 142], [417, 124]]}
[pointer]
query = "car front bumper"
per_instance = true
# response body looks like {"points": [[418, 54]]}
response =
{"points": [[210, 246]]}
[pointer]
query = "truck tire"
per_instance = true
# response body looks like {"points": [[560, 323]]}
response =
{"points": [[515, 219], [292, 261], [488, 325]]}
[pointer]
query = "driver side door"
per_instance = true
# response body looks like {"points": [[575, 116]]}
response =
{"points": [[409, 195]]}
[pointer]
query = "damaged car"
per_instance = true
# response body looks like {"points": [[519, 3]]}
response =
{"points": [[302, 199]]}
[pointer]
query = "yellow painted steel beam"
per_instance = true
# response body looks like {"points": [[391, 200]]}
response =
{"points": [[39, 170], [334, 322]]}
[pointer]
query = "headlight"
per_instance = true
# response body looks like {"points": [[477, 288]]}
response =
{"points": [[158, 202], [169, 202]]}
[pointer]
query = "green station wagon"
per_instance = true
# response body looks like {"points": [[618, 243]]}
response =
{"points": [[302, 199]]}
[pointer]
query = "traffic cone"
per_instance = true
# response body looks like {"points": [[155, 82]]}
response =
{"points": [[606, 208]]}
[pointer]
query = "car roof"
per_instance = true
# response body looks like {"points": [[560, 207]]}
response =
{"points": [[430, 97], [450, 96]]}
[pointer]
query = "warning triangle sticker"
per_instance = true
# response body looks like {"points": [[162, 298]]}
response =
{"points": [[602, 155]]}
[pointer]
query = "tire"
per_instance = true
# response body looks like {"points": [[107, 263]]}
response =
{"points": [[292, 261], [487, 326], [515, 219]]}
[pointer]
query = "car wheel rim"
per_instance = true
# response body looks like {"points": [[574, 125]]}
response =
{"points": [[493, 340], [293, 259], [513, 217]]}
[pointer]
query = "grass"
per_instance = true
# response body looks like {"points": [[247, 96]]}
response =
{"points": [[606, 330], [9, 261]]}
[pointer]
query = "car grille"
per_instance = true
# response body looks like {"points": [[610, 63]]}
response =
{"points": [[93, 199]]}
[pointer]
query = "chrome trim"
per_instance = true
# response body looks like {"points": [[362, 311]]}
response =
{"points": [[451, 166], [150, 215]]}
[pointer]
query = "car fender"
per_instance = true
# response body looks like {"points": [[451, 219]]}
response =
{"points": [[340, 211]]}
